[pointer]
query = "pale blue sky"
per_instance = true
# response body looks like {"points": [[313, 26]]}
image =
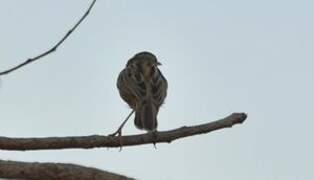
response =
{"points": [[219, 57]]}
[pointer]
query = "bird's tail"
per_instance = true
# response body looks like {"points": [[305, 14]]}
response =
{"points": [[146, 116]]}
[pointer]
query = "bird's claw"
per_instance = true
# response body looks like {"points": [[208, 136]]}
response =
{"points": [[154, 134], [115, 133], [119, 133]]}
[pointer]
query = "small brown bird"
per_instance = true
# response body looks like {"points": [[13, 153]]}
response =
{"points": [[143, 87]]}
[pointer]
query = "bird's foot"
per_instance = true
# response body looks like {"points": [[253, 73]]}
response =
{"points": [[119, 133], [154, 135]]}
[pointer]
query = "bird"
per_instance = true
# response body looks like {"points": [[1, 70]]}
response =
{"points": [[144, 88]]}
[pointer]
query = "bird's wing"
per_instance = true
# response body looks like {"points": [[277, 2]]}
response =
{"points": [[159, 86], [131, 83]]}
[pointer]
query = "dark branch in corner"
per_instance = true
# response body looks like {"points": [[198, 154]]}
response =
{"points": [[54, 48], [52, 171], [87, 142]]}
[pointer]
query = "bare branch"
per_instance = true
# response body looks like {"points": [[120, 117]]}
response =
{"points": [[54, 48], [53, 171], [94, 141]]}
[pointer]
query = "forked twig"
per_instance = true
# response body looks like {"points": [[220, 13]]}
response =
{"points": [[54, 48]]}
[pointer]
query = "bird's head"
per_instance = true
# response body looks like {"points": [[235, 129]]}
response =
{"points": [[144, 60]]}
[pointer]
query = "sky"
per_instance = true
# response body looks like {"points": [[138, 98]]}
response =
{"points": [[219, 57]]}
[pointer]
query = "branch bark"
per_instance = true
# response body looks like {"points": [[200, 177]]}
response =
{"points": [[94, 141], [53, 171], [54, 48]]}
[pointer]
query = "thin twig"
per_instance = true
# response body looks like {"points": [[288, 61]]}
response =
{"points": [[94, 141], [54, 48]]}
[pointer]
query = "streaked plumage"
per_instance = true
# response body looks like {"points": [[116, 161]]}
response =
{"points": [[143, 87]]}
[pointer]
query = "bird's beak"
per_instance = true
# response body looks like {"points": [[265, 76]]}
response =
{"points": [[158, 64]]}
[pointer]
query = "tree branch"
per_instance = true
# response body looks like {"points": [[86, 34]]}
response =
{"points": [[95, 141], [53, 171], [54, 48]]}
